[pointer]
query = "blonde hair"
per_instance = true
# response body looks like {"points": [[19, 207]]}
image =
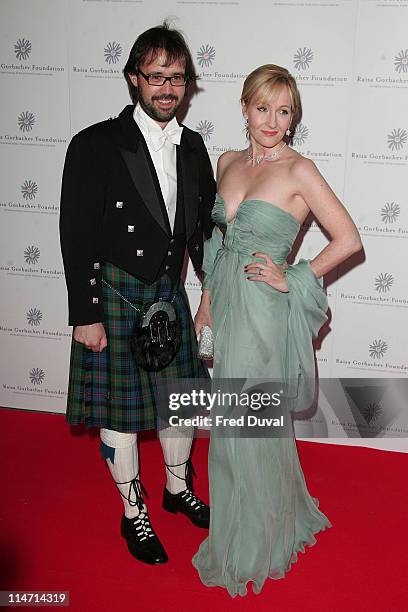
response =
{"points": [[265, 82]]}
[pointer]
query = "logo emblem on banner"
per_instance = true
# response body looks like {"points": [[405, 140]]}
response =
{"points": [[300, 135], [112, 52], [401, 61], [205, 55], [37, 376], [29, 190], [22, 49], [34, 316], [32, 254], [390, 212], [303, 58], [205, 128], [371, 412], [383, 282], [396, 139], [26, 121], [378, 348]]}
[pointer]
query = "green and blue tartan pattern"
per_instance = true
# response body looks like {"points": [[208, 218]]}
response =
{"points": [[107, 389]]}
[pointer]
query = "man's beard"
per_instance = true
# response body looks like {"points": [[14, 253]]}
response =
{"points": [[156, 113]]}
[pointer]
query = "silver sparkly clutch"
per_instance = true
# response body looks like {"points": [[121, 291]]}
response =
{"points": [[206, 343]]}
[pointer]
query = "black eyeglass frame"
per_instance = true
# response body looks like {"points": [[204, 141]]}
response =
{"points": [[164, 78]]}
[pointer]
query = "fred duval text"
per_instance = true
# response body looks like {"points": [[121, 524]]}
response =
{"points": [[248, 420]]}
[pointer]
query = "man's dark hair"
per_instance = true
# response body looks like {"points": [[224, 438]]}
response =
{"points": [[149, 44]]}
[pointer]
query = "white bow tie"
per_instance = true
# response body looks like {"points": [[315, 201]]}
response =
{"points": [[172, 135]]}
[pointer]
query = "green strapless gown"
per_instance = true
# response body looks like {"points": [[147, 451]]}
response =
{"points": [[262, 514]]}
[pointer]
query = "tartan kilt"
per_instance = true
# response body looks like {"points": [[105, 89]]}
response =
{"points": [[107, 389]]}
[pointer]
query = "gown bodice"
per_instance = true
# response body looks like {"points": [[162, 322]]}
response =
{"points": [[252, 319], [258, 225]]}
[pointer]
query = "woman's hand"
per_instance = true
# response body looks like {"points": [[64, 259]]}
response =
{"points": [[269, 272], [92, 336], [203, 316]]}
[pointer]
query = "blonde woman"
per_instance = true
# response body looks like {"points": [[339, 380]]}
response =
{"points": [[264, 315]]}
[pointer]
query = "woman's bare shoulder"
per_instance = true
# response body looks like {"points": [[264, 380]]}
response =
{"points": [[299, 161], [226, 159], [301, 166], [229, 156]]}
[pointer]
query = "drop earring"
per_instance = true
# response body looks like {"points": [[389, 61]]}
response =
{"points": [[287, 132]]}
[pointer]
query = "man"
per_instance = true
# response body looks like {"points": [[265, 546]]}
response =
{"points": [[136, 191]]}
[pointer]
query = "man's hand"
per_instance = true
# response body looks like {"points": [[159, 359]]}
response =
{"points": [[92, 336]]}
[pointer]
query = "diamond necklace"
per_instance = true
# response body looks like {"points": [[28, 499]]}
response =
{"points": [[259, 158]]}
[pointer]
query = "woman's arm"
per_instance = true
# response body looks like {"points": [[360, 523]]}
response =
{"points": [[203, 316], [330, 213]]}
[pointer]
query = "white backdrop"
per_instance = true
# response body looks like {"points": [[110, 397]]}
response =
{"points": [[60, 70]]}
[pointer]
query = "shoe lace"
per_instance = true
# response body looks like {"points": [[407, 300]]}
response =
{"points": [[194, 502], [138, 489], [142, 526], [189, 473]]}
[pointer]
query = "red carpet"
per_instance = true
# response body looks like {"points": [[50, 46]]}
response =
{"points": [[60, 515]]}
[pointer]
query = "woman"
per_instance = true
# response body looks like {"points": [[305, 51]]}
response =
{"points": [[264, 315]]}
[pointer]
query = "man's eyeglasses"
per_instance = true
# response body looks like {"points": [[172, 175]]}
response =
{"points": [[177, 80]]}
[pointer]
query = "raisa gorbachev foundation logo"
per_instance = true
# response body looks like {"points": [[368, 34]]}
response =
{"points": [[22, 49], [36, 376], [397, 138], [300, 135], [302, 58], [205, 56], [390, 212], [32, 254], [371, 412], [401, 61], [26, 121], [34, 317], [383, 282], [112, 52], [206, 129], [377, 349], [29, 189]]}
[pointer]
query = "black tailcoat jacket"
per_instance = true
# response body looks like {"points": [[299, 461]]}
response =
{"points": [[112, 210]]}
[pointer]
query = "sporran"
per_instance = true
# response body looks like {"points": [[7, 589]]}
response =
{"points": [[156, 336]]}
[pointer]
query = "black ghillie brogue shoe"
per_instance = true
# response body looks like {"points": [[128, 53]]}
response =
{"points": [[141, 539], [186, 502]]}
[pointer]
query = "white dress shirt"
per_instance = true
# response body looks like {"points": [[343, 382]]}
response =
{"points": [[162, 148]]}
